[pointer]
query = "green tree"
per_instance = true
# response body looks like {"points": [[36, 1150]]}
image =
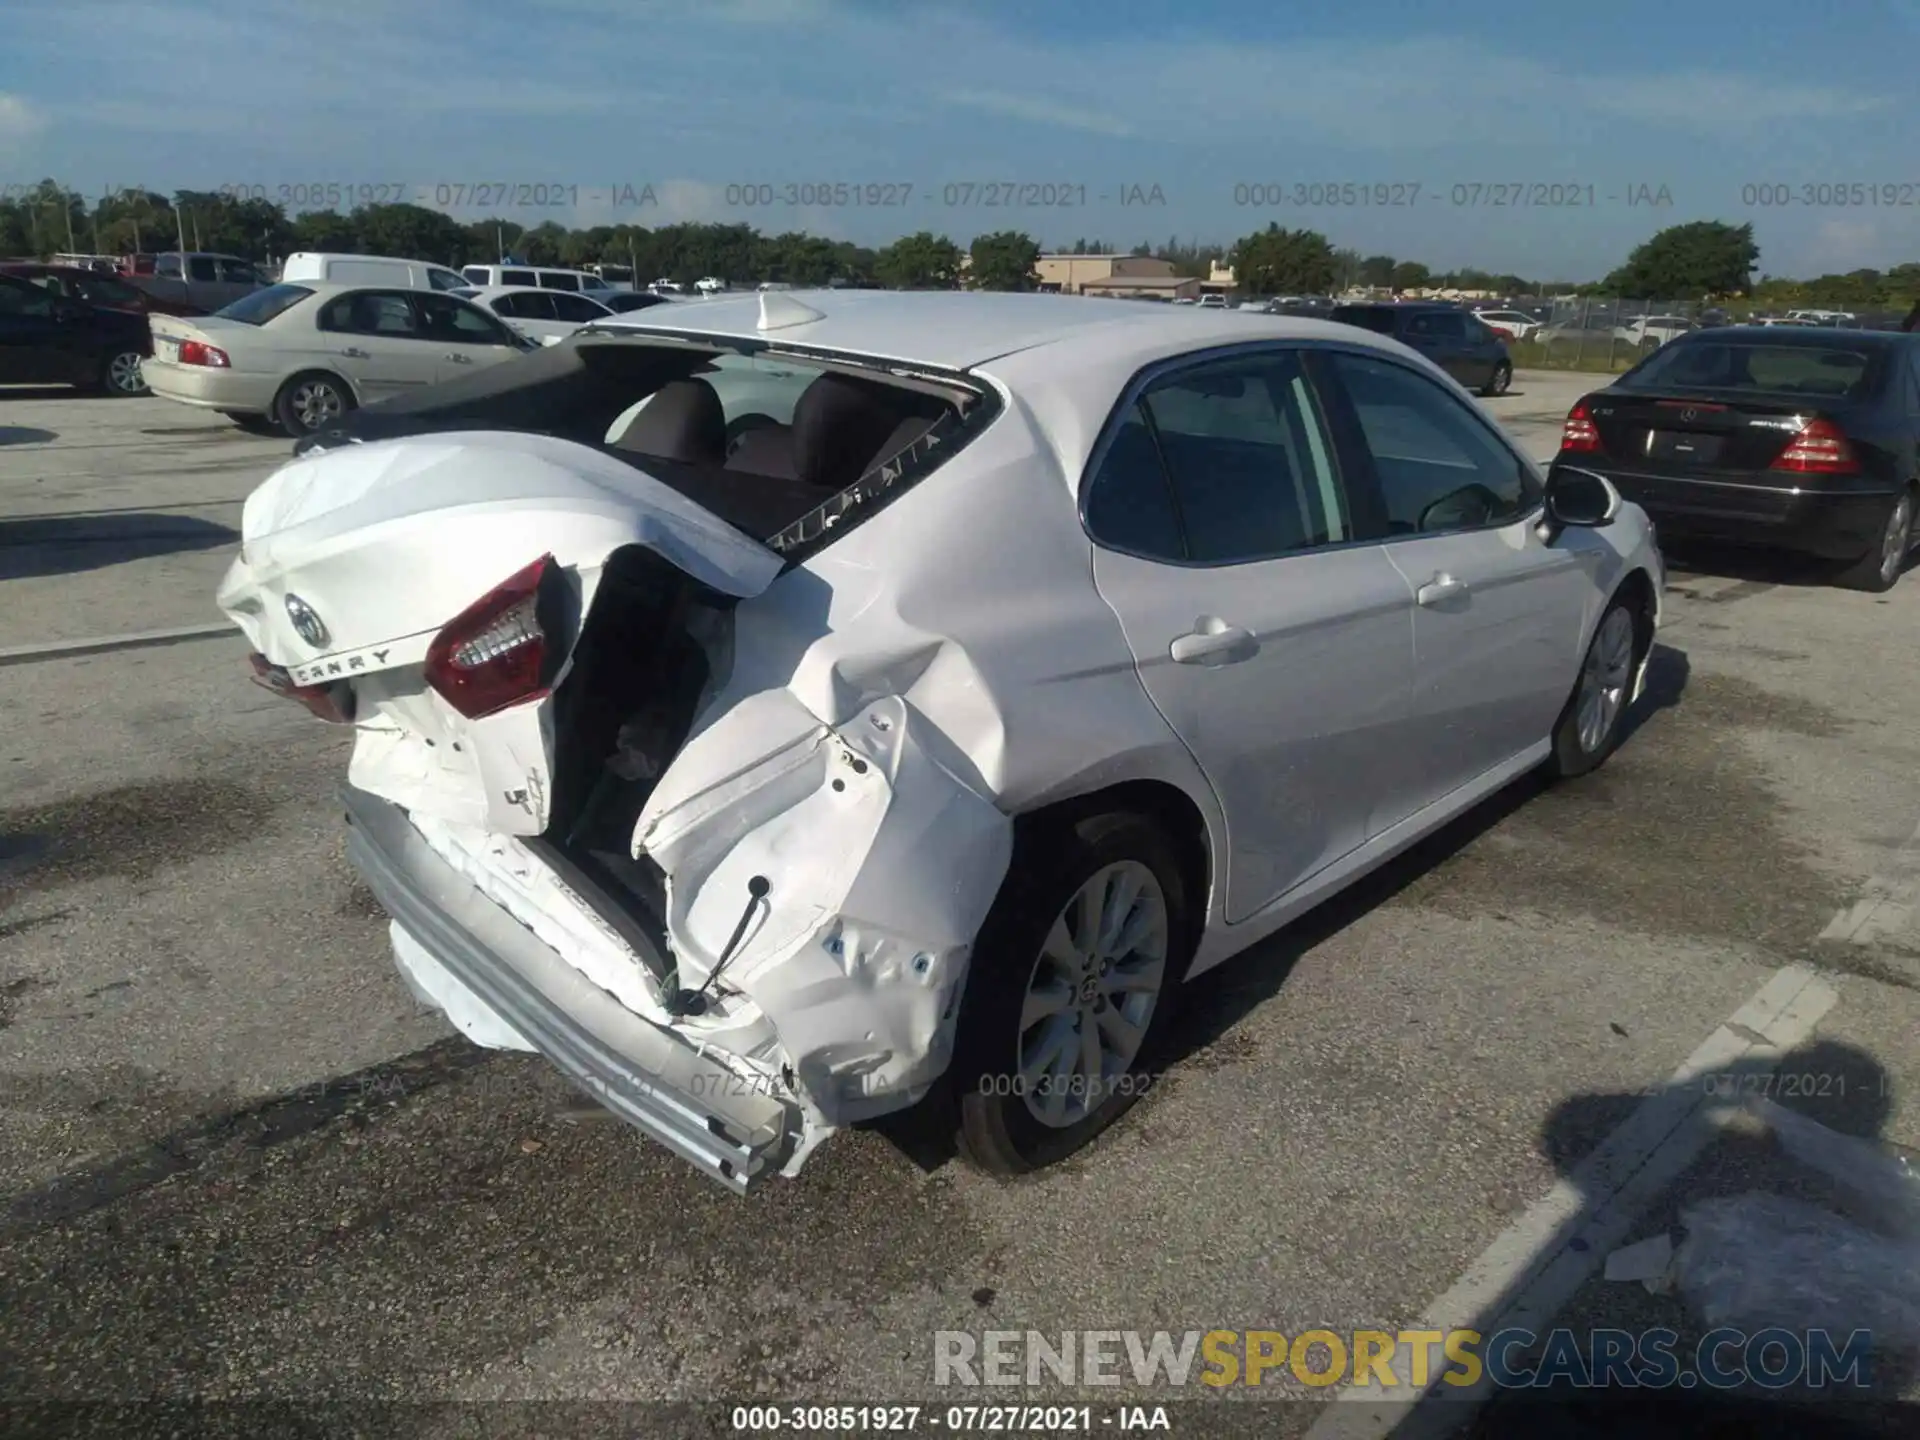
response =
{"points": [[1704, 259], [1005, 260], [1409, 275], [411, 232], [325, 230], [1284, 262], [922, 261], [1377, 270]]}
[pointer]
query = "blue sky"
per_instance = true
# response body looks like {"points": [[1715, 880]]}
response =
{"points": [[1095, 98]]}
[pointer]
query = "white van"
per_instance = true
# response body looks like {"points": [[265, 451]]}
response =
{"points": [[543, 277], [369, 270]]}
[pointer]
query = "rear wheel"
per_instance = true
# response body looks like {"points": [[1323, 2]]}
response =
{"points": [[1878, 571], [1498, 382], [1590, 726], [308, 403], [120, 374], [1071, 984]]}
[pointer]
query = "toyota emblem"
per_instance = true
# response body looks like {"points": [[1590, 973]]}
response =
{"points": [[1689, 414], [306, 623]]}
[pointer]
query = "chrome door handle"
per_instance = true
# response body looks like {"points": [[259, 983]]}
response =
{"points": [[353, 353], [1214, 642], [458, 358], [1441, 588]]}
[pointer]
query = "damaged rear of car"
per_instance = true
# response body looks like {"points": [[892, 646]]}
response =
{"points": [[736, 914]]}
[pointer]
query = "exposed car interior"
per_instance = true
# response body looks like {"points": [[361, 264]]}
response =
{"points": [[760, 449]]}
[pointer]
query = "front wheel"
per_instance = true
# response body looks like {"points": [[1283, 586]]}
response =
{"points": [[1590, 726], [1878, 571], [1073, 979], [1498, 382]]}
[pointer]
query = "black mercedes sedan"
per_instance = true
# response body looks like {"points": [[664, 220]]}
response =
{"points": [[1797, 439], [47, 338]]}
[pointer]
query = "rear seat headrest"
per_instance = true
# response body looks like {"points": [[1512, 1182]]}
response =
{"points": [[683, 421], [838, 425]]}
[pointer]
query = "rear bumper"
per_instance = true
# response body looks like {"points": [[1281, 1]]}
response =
{"points": [[1833, 524], [727, 1126], [210, 388]]}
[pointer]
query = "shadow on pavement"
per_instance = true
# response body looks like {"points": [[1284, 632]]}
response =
{"points": [[25, 435], [1218, 1000], [1812, 1282], [62, 546]]}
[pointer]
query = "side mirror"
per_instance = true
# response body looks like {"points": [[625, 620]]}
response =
{"points": [[1580, 497]]}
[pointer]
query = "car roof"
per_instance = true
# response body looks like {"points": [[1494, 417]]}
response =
{"points": [[956, 330], [490, 291], [1811, 336]]}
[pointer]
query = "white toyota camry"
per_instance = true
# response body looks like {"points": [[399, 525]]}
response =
{"points": [[915, 690]]}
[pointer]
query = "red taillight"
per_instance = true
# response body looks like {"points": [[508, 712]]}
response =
{"points": [[198, 352], [332, 703], [1579, 434], [498, 651], [1820, 448]]}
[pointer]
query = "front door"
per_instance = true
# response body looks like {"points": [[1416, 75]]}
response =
{"points": [[1277, 647], [1500, 613], [377, 343], [464, 337]]}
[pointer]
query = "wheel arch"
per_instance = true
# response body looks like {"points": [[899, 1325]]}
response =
{"points": [[1170, 808]]}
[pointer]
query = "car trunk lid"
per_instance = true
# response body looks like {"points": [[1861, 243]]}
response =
{"points": [[355, 561], [1701, 433]]}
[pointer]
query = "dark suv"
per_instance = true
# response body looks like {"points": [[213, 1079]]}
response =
{"points": [[1457, 342]]}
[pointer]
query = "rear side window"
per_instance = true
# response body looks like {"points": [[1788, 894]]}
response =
{"points": [[1369, 317], [558, 280], [370, 312], [1824, 371], [17, 297], [458, 321], [1129, 502], [476, 274], [516, 277], [264, 305], [238, 272], [201, 267], [1246, 458], [1441, 324], [445, 280]]}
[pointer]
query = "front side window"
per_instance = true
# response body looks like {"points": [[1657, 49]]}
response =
{"points": [[371, 312], [458, 321], [577, 308], [1438, 465], [19, 298], [476, 274], [201, 267], [445, 280], [167, 265], [516, 277], [558, 280], [238, 272]]}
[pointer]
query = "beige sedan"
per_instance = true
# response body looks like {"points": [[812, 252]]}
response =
{"points": [[296, 357]]}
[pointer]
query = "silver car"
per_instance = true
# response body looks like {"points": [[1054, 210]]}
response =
{"points": [[918, 687]]}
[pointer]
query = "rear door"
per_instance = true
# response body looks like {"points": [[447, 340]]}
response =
{"points": [[462, 336], [1500, 614], [378, 343], [1441, 335], [1276, 647]]}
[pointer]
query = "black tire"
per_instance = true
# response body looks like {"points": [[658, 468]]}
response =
{"points": [[1498, 382], [120, 374], [291, 410], [1574, 754], [254, 424], [998, 1132], [1879, 570]]}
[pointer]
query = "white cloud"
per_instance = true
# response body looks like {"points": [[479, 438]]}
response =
{"points": [[1041, 112], [19, 121]]}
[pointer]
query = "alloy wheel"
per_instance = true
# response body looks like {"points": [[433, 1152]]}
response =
{"points": [[1092, 993], [123, 374], [1603, 679], [316, 402]]}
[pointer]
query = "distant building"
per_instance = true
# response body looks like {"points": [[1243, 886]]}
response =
{"points": [[1113, 275]]}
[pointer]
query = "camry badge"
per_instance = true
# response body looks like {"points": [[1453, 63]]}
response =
{"points": [[306, 623]]}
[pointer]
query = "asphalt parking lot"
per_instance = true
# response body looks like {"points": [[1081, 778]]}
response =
{"points": [[240, 1164]]}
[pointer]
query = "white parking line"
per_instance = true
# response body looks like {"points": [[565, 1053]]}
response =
{"points": [[1887, 901], [1537, 1264]]}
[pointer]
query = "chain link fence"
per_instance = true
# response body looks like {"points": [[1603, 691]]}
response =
{"points": [[1613, 333]]}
